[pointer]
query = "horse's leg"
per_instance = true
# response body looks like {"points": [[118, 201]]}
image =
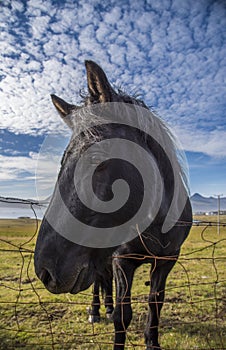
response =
{"points": [[108, 301], [159, 273], [94, 314], [123, 273]]}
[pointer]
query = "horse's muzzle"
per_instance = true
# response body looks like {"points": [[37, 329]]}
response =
{"points": [[49, 281], [80, 281], [83, 281]]}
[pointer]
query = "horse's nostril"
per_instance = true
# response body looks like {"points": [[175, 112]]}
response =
{"points": [[45, 276]]}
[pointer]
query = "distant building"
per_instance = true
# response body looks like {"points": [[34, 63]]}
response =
{"points": [[209, 213], [222, 212]]}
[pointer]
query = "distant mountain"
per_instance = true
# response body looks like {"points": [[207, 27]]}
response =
{"points": [[206, 204]]}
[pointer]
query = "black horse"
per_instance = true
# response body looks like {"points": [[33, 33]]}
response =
{"points": [[102, 284], [69, 257]]}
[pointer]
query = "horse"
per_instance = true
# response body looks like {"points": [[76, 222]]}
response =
{"points": [[147, 223], [103, 284]]}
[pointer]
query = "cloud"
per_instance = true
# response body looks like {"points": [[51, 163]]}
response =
{"points": [[38, 170], [173, 52], [200, 143], [13, 166]]}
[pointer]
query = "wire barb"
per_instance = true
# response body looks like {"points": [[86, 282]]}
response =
{"points": [[205, 292]]}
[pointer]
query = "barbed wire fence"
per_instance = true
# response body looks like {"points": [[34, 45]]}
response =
{"points": [[32, 318]]}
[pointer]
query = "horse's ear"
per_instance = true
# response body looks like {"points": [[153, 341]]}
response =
{"points": [[64, 109], [99, 87]]}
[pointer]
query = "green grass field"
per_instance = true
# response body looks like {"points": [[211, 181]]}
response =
{"points": [[193, 316]]}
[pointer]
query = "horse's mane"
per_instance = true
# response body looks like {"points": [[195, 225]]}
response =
{"points": [[84, 121]]}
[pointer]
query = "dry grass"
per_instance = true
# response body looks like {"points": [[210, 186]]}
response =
{"points": [[193, 316]]}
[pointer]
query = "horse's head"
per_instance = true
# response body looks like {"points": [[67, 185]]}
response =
{"points": [[65, 260]]}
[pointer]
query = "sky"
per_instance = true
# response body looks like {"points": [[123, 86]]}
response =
{"points": [[170, 52]]}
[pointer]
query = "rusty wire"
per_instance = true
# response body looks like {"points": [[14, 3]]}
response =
{"points": [[92, 338]]}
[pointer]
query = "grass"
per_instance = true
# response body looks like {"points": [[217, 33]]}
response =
{"points": [[193, 316]]}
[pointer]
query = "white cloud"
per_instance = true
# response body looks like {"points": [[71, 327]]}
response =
{"points": [[18, 6], [171, 51], [113, 16], [211, 143], [13, 167], [37, 171]]}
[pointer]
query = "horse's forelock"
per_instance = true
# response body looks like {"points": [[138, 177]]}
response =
{"points": [[84, 121]]}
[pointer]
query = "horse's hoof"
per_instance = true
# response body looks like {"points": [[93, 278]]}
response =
{"points": [[94, 319]]}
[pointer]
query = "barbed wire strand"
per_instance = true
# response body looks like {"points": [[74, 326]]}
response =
{"points": [[184, 257]]}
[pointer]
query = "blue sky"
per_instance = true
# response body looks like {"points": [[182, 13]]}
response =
{"points": [[172, 52]]}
